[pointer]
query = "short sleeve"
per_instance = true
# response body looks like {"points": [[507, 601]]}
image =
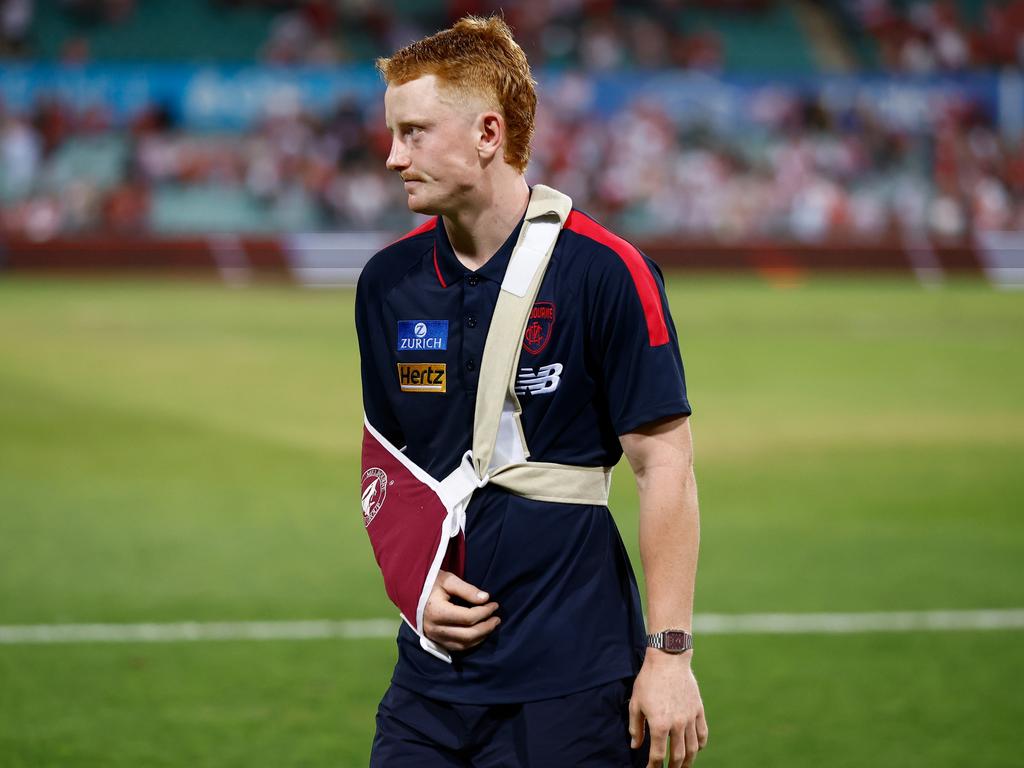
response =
{"points": [[635, 342], [372, 338]]}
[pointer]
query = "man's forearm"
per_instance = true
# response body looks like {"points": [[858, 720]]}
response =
{"points": [[669, 542]]}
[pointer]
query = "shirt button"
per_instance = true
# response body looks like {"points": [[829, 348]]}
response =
{"points": [[473, 280], [471, 364], [471, 321]]}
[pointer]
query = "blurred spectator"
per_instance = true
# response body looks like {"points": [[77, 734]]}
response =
{"points": [[90, 12], [126, 208], [20, 155], [928, 36], [75, 51], [15, 24], [1001, 40], [305, 36]]}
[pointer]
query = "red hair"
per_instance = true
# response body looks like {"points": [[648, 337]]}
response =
{"points": [[476, 56]]}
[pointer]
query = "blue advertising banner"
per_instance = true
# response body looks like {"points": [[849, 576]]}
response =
{"points": [[231, 98], [734, 102], [202, 98]]}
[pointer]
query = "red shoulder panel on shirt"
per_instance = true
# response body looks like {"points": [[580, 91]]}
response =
{"points": [[643, 280], [426, 226]]}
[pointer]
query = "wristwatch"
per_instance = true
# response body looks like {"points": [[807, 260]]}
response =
{"points": [[671, 641]]}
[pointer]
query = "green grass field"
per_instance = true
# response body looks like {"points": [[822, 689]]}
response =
{"points": [[183, 451]]}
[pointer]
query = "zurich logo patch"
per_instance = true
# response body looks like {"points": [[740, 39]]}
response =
{"points": [[422, 335], [538, 327]]}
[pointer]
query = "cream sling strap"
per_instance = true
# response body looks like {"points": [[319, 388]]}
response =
{"points": [[411, 517]]}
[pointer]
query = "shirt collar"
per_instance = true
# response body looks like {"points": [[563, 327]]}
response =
{"points": [[450, 270]]}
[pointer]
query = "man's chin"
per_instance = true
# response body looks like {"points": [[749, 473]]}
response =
{"points": [[418, 204]]}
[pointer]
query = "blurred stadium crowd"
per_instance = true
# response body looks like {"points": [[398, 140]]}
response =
{"points": [[917, 36], [803, 167], [926, 37]]}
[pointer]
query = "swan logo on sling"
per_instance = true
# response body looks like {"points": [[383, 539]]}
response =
{"points": [[375, 489], [422, 335]]}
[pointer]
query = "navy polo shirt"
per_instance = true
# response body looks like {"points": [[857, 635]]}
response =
{"points": [[600, 358]]}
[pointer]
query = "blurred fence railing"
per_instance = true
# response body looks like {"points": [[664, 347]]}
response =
{"points": [[336, 259]]}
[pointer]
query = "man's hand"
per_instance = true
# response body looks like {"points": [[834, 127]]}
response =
{"points": [[665, 695], [453, 626]]}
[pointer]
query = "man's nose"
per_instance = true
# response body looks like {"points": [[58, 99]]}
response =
{"points": [[398, 159]]}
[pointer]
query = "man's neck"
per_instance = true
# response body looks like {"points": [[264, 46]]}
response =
{"points": [[476, 232]]}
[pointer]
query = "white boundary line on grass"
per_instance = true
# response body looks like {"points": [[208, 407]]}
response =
{"points": [[704, 624]]}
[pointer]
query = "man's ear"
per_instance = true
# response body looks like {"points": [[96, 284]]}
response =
{"points": [[491, 126]]}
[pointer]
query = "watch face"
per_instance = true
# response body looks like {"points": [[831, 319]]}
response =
{"points": [[676, 641]]}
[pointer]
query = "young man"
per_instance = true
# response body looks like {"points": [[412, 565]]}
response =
{"points": [[549, 661]]}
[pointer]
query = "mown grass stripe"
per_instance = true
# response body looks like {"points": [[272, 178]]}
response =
{"points": [[704, 624], [849, 623], [189, 631]]}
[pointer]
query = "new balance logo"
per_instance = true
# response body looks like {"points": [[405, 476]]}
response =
{"points": [[539, 381]]}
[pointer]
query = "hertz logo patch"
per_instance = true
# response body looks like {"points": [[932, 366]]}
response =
{"points": [[422, 377]]}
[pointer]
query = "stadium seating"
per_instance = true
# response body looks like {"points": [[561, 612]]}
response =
{"points": [[97, 160], [156, 30], [769, 39], [177, 209], [766, 38]]}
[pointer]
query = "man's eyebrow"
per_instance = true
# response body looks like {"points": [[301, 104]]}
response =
{"points": [[423, 121], [407, 122]]}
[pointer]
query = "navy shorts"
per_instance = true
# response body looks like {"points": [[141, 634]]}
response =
{"points": [[589, 728]]}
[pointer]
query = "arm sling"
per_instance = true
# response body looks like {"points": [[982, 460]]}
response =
{"points": [[410, 517]]}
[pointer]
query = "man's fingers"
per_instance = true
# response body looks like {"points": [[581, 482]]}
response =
{"points": [[702, 730], [692, 745], [457, 627], [636, 725], [444, 613], [453, 585], [659, 745], [678, 747], [469, 634], [462, 638]]}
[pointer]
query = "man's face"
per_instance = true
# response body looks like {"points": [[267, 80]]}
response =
{"points": [[434, 139]]}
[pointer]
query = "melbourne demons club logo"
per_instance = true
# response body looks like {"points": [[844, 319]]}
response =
{"points": [[375, 488], [538, 327]]}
